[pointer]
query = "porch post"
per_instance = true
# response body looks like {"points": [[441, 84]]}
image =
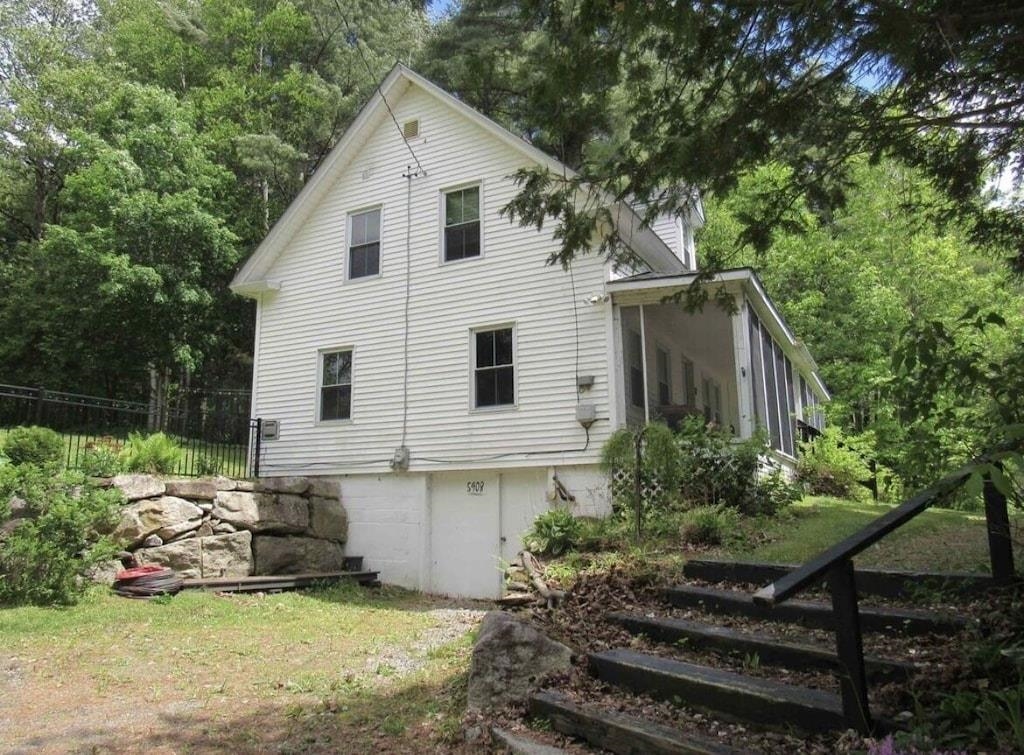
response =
{"points": [[744, 380], [643, 360]]}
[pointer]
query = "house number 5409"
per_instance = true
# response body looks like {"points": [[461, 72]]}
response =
{"points": [[475, 487]]}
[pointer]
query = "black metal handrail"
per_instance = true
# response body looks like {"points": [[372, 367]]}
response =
{"points": [[835, 565]]}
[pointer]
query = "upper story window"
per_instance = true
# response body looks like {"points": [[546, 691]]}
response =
{"points": [[494, 368], [462, 223], [335, 385], [364, 244]]}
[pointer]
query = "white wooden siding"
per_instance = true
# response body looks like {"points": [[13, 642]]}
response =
{"points": [[316, 309]]}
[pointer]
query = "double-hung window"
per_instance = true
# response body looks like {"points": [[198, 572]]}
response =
{"points": [[462, 223], [364, 244], [494, 368], [335, 385]]}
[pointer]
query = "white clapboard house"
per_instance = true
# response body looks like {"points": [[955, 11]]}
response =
{"points": [[412, 342]]}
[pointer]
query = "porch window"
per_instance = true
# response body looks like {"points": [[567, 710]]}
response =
{"points": [[462, 223], [774, 388], [364, 244], [335, 385], [664, 377], [636, 370], [494, 370], [689, 384]]}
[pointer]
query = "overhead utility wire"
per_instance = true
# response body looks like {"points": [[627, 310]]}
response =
{"points": [[353, 38]]}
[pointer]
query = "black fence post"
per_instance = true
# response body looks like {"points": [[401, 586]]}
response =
{"points": [[257, 442], [849, 647], [1000, 546]]}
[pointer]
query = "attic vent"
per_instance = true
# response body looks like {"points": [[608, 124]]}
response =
{"points": [[411, 129]]}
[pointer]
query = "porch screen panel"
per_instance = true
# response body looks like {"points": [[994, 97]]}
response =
{"points": [[771, 386], [756, 369], [789, 419]]}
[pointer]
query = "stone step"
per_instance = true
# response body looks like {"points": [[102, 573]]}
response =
{"points": [[885, 583], [724, 693], [767, 650], [813, 614], [617, 732]]}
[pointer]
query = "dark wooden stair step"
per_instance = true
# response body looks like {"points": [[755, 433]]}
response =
{"points": [[724, 693], [618, 732], [884, 583], [280, 581], [768, 650], [814, 614]]}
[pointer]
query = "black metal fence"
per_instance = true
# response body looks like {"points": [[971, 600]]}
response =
{"points": [[213, 429]]}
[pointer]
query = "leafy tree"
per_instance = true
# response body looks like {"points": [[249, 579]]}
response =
{"points": [[714, 89]]}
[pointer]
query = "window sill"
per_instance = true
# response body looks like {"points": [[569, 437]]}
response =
{"points": [[445, 263], [494, 409]]}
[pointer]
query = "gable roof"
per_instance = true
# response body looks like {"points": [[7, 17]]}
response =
{"points": [[250, 279]]}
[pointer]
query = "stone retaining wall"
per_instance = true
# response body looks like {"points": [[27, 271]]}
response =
{"points": [[231, 528]]}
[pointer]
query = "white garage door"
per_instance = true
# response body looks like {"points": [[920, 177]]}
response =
{"points": [[465, 524]]}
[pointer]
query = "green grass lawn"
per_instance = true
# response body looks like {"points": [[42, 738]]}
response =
{"points": [[334, 670], [936, 540]]}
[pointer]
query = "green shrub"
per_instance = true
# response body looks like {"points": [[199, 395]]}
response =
{"points": [[208, 466], [34, 445], [155, 454], [715, 469], [42, 559], [709, 525], [554, 532], [102, 459], [830, 465]]}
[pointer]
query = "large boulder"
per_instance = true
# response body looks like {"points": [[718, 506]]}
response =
{"points": [[166, 517], [218, 556], [283, 513], [104, 572], [183, 556], [240, 508], [262, 512], [510, 660], [324, 487], [297, 555], [196, 490], [327, 519], [227, 555], [290, 485], [135, 487]]}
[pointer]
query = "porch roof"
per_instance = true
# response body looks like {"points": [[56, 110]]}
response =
{"points": [[653, 288]]}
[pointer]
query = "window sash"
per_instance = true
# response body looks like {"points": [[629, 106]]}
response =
{"points": [[494, 368], [462, 224], [336, 385], [364, 260], [364, 244]]}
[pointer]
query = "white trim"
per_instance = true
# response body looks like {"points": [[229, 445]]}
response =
{"points": [[317, 422], [497, 408], [643, 366], [616, 366], [441, 225], [744, 380], [347, 263]]}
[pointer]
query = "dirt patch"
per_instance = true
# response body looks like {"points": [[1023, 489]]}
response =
{"points": [[276, 674]]}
